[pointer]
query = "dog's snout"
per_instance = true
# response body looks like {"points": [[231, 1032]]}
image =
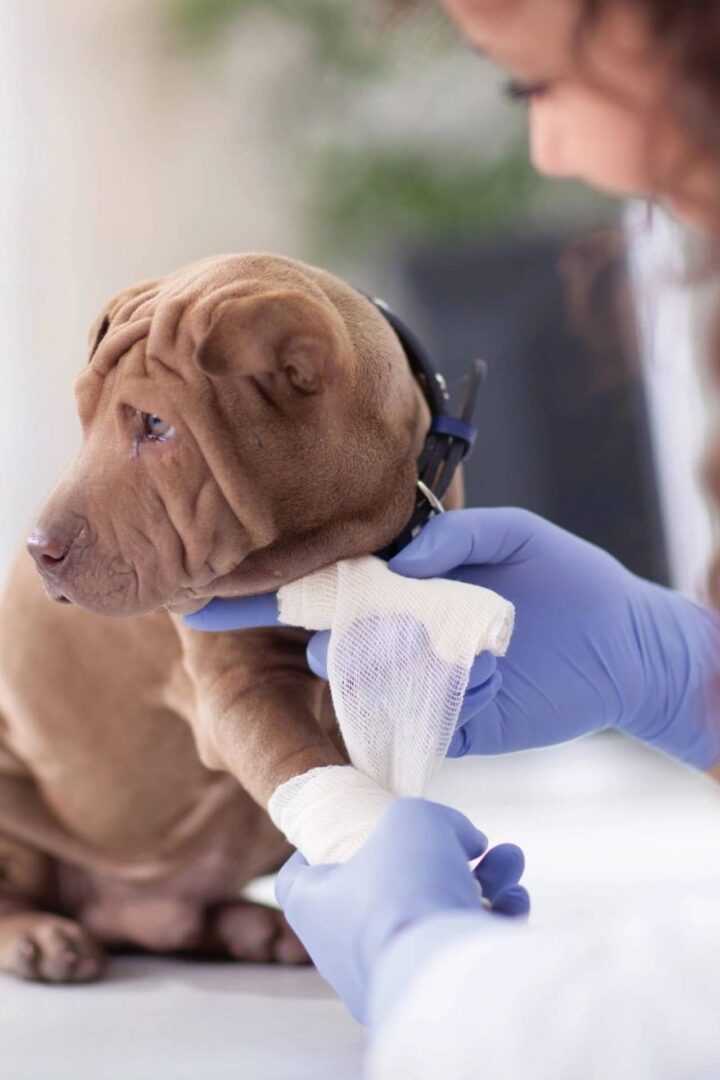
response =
{"points": [[48, 549]]}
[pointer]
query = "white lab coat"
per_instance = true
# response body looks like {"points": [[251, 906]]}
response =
{"points": [[623, 995]]}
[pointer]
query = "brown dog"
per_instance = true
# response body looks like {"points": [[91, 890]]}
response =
{"points": [[246, 421]]}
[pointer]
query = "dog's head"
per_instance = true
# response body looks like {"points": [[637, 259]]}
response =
{"points": [[246, 421]]}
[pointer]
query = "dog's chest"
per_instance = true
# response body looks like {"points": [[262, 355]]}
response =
{"points": [[96, 712]]}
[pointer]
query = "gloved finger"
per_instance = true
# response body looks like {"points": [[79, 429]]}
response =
{"points": [[459, 744], [465, 537], [482, 728], [288, 874], [502, 867], [498, 728], [423, 822], [513, 901], [316, 653], [239, 613], [478, 697], [483, 668]]}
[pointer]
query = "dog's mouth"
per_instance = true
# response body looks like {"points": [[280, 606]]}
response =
{"points": [[70, 592], [55, 594]]}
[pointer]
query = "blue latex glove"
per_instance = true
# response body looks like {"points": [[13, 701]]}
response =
{"points": [[414, 866], [594, 646], [249, 611], [236, 614]]}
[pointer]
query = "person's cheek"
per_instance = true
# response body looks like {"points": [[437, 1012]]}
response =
{"points": [[548, 143], [594, 141]]}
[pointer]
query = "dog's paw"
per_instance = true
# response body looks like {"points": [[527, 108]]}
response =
{"points": [[47, 948], [255, 933]]}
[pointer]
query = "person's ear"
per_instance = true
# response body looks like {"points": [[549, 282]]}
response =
{"points": [[283, 334]]}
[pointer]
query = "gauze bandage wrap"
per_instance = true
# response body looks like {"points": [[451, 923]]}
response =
{"points": [[399, 659]]}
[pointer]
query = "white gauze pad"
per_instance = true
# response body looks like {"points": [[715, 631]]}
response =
{"points": [[398, 664]]}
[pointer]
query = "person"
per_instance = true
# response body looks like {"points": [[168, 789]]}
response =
{"points": [[623, 94]]}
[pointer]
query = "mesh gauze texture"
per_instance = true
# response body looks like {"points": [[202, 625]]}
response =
{"points": [[398, 665], [328, 813]]}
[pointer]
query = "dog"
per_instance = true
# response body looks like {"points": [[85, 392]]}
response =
{"points": [[246, 421]]}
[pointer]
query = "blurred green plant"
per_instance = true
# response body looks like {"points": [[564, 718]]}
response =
{"points": [[404, 193], [341, 39], [374, 193]]}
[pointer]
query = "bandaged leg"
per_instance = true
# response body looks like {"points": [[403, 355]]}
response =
{"points": [[328, 813], [398, 664]]}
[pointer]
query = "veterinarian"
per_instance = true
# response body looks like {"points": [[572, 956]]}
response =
{"points": [[624, 94]]}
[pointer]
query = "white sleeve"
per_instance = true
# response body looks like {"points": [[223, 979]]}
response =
{"points": [[631, 995]]}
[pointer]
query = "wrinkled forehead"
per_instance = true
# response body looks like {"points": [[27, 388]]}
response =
{"points": [[172, 315], [152, 331], [149, 332], [169, 317], [141, 337]]}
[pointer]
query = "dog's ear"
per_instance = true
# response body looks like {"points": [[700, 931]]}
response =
{"points": [[284, 334]]}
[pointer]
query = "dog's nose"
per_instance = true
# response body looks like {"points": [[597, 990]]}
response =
{"points": [[47, 549]]}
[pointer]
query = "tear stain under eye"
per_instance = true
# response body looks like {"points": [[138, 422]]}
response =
{"points": [[135, 448]]}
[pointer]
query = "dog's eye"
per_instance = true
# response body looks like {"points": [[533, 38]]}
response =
{"points": [[155, 427]]}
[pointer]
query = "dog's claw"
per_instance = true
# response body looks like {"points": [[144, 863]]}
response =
{"points": [[27, 954], [46, 948]]}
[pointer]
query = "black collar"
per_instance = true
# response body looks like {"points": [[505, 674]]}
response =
{"points": [[449, 438]]}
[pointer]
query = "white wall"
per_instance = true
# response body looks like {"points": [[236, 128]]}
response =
{"points": [[122, 157]]}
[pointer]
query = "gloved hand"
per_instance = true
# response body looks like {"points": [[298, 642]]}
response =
{"points": [[414, 865], [594, 646], [235, 614], [245, 612]]}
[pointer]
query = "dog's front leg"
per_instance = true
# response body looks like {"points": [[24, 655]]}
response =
{"points": [[258, 707]]}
